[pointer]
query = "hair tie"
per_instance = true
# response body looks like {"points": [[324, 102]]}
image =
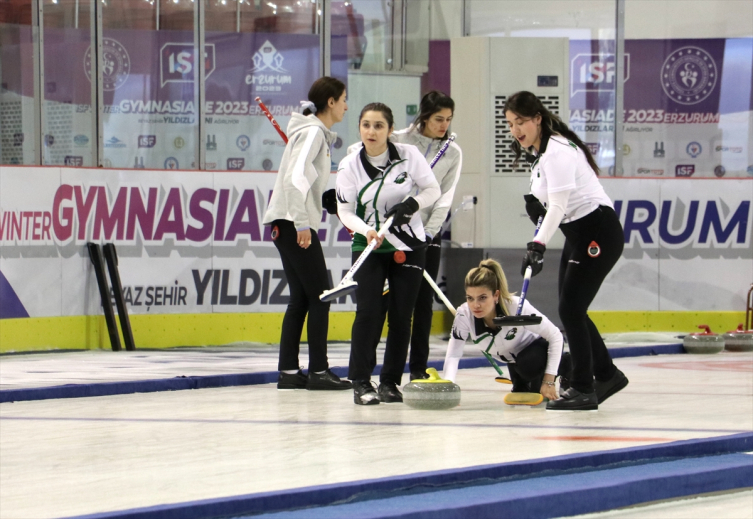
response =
{"points": [[310, 105]]}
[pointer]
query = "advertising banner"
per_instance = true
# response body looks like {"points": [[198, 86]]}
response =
{"points": [[186, 243], [194, 242], [687, 245], [688, 105]]}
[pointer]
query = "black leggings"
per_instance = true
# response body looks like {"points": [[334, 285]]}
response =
{"points": [[404, 281], [582, 271], [424, 311], [306, 273]]}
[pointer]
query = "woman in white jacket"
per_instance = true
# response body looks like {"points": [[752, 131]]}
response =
{"points": [[428, 133], [533, 353], [294, 212], [380, 180]]}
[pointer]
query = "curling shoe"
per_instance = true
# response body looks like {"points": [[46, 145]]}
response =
{"points": [[574, 400], [326, 381], [606, 389], [291, 381], [364, 393], [389, 393]]}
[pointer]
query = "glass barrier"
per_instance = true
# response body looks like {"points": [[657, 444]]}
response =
{"points": [[688, 97], [579, 88], [255, 49], [17, 121], [150, 103], [68, 132]]}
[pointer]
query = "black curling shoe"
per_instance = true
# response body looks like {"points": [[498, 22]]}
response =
{"points": [[606, 389], [291, 381], [574, 400], [364, 393], [418, 375], [389, 393], [326, 381]]}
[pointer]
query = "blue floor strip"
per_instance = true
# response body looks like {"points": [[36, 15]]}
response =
{"points": [[245, 379], [548, 487]]}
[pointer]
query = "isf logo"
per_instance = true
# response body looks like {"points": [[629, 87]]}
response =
{"points": [[147, 141], [684, 170], [73, 160], [177, 62], [236, 164]]}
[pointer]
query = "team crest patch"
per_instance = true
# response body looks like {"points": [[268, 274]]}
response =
{"points": [[401, 178], [594, 250], [511, 334], [275, 232]]}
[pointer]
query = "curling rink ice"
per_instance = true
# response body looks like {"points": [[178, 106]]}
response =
{"points": [[70, 457]]}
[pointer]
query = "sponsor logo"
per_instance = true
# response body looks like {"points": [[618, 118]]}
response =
{"points": [[147, 141], [18, 139], [243, 142], [177, 62], [684, 170], [595, 72], [138, 162], [81, 140], [650, 172], [626, 149], [689, 75], [49, 140], [720, 171], [610, 171], [116, 64], [750, 170], [593, 147], [73, 160], [236, 163], [268, 74], [171, 163], [728, 149], [659, 150], [179, 142], [211, 142], [114, 142], [267, 164], [268, 58], [694, 149]]}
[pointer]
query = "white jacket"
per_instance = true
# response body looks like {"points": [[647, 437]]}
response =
{"points": [[507, 342], [365, 194], [446, 171], [303, 174]]}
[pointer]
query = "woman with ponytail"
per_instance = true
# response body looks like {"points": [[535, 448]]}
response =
{"points": [[566, 191], [533, 353], [294, 212]]}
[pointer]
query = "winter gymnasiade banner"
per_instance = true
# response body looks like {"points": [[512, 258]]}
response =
{"points": [[688, 105], [192, 242]]}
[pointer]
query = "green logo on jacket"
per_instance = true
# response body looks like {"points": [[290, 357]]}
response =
{"points": [[401, 178]]}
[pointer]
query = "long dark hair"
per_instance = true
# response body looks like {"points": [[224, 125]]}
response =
{"points": [[320, 92], [525, 104], [378, 107], [432, 103]]}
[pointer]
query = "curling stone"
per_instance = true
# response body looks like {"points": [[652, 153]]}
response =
{"points": [[706, 342], [431, 393], [738, 340]]}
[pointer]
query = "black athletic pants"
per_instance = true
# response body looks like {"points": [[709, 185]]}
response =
{"points": [[404, 278], [307, 278], [593, 244], [423, 313], [527, 372]]}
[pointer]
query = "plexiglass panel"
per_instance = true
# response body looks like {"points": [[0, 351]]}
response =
{"points": [[17, 121]]}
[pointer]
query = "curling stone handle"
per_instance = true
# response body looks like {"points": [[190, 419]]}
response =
{"points": [[705, 327]]}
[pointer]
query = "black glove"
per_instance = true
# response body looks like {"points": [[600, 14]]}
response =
{"points": [[329, 201], [534, 257], [402, 212], [534, 208]]}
